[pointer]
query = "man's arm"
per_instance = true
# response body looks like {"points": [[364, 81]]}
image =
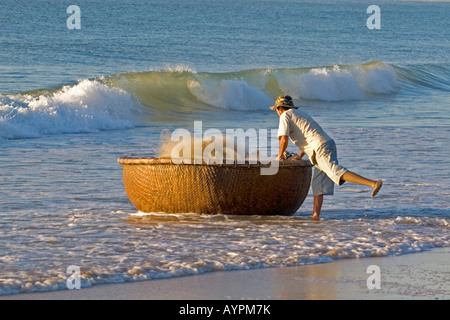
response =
{"points": [[284, 140], [299, 156]]}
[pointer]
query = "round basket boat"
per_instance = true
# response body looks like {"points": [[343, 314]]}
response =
{"points": [[160, 186]]}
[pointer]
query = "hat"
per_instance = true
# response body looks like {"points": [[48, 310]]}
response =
{"points": [[283, 101]]}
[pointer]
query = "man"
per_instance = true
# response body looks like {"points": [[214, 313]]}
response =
{"points": [[312, 140]]}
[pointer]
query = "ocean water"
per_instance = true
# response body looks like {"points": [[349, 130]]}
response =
{"points": [[73, 101]]}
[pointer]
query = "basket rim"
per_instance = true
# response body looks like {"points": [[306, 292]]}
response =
{"points": [[201, 162]]}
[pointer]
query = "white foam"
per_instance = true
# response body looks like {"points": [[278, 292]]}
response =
{"points": [[88, 106], [379, 79], [339, 83], [322, 84], [187, 244], [176, 68], [230, 94]]}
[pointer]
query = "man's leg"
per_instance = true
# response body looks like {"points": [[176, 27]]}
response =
{"points": [[321, 185], [353, 177], [318, 201], [326, 158]]}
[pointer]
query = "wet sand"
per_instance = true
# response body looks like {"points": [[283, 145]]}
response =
{"points": [[424, 275]]}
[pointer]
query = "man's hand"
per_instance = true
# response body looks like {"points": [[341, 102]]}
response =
{"points": [[299, 156]]}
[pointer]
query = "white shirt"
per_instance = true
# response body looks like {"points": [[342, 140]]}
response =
{"points": [[303, 131]]}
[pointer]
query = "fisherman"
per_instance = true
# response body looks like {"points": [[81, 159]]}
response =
{"points": [[312, 140]]}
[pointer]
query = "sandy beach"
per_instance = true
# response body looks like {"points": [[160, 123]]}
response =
{"points": [[424, 275]]}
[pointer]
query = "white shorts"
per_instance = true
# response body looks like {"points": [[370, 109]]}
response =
{"points": [[328, 171]]}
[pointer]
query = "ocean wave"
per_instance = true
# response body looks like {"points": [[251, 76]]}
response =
{"points": [[87, 106], [256, 89], [430, 76], [182, 88], [119, 101]]}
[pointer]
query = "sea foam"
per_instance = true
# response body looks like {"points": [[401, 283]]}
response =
{"points": [[88, 106], [230, 94], [190, 244], [339, 83]]}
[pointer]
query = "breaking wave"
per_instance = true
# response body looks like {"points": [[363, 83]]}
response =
{"points": [[256, 89], [119, 101], [87, 106]]}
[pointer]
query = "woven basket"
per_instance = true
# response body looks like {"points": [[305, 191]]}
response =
{"points": [[158, 185]]}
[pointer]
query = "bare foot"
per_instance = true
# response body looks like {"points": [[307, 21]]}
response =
{"points": [[314, 217], [377, 188]]}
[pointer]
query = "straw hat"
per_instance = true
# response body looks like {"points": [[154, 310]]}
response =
{"points": [[283, 101]]}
